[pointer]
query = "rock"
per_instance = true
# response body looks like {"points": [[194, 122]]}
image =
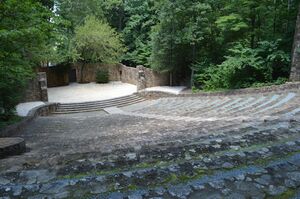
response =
{"points": [[135, 196], [131, 156], [207, 160], [54, 188], [227, 165], [216, 146], [37, 176], [217, 184], [180, 191], [173, 168], [291, 143], [248, 188], [235, 147], [240, 177], [73, 182], [197, 186], [219, 141], [274, 191], [116, 195], [100, 179], [192, 150], [226, 191], [264, 180], [248, 179], [39, 196], [60, 195], [17, 190], [128, 174], [265, 150], [4, 181], [32, 188], [98, 189], [235, 196], [160, 191], [295, 176], [289, 183]]}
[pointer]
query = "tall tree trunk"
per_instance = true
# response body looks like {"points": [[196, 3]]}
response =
{"points": [[295, 70]]}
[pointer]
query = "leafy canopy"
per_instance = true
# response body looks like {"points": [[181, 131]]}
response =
{"points": [[25, 29], [96, 41]]}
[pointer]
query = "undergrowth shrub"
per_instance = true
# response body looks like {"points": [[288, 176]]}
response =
{"points": [[102, 76], [246, 67]]}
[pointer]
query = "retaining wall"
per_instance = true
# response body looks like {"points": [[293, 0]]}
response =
{"points": [[42, 110], [37, 89], [119, 72], [56, 77]]}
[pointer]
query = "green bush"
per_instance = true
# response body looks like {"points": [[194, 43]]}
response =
{"points": [[102, 76], [245, 67]]}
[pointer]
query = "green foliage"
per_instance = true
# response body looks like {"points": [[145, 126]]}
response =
{"points": [[141, 18], [75, 11], [246, 67], [102, 76], [96, 41], [4, 122], [25, 29], [180, 35]]}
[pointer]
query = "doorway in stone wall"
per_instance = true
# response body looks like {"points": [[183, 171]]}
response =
{"points": [[72, 76]]}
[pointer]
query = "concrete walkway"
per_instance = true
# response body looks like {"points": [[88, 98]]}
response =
{"points": [[24, 108], [89, 92], [167, 89]]}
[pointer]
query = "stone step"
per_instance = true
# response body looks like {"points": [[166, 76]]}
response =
{"points": [[99, 105], [115, 100], [253, 173], [92, 109], [119, 103]]}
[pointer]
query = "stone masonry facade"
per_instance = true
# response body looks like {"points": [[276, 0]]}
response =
{"points": [[141, 76], [37, 89]]}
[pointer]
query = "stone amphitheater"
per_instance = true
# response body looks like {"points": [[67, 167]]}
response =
{"points": [[226, 145]]}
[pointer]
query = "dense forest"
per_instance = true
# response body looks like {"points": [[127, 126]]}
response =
{"points": [[208, 44]]}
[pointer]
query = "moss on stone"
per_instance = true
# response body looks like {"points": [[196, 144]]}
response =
{"points": [[290, 193]]}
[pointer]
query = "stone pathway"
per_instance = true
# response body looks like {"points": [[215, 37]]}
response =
{"points": [[238, 146]]}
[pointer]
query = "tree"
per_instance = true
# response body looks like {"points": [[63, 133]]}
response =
{"points": [[141, 17], [75, 11], [25, 28], [295, 71], [96, 41], [179, 37]]}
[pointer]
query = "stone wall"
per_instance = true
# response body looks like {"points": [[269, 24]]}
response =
{"points": [[37, 89], [152, 78], [56, 77], [90, 70], [14, 129], [141, 76]]}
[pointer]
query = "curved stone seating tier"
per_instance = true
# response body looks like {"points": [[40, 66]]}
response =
{"points": [[97, 105], [230, 146], [282, 104], [11, 146]]}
